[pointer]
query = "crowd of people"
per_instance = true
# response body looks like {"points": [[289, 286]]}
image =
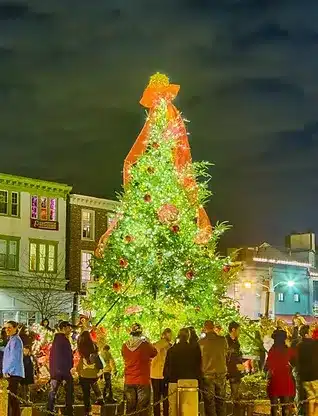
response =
{"points": [[290, 362]]}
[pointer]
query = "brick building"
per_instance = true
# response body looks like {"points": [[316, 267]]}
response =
{"points": [[88, 219]]}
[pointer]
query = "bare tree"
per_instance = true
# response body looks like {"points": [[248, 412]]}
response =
{"points": [[42, 291]]}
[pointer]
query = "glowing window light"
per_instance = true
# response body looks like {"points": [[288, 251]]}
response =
{"points": [[283, 262]]}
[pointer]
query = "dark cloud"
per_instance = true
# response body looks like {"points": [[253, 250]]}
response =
{"points": [[72, 74], [13, 10]]}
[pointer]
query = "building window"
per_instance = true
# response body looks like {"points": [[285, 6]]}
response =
{"points": [[9, 203], [296, 297], [27, 318], [9, 253], [88, 220], [86, 259], [43, 256], [280, 297], [43, 208]]}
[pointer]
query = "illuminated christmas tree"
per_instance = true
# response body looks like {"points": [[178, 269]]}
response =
{"points": [[157, 263]]}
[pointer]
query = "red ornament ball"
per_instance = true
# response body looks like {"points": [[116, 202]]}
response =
{"points": [[190, 274], [226, 268], [117, 286], [155, 145], [128, 239], [175, 229], [147, 198], [168, 214], [123, 263]]}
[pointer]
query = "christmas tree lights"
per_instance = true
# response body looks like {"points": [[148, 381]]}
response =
{"points": [[157, 263]]}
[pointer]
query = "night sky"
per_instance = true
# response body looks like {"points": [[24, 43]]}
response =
{"points": [[72, 73]]}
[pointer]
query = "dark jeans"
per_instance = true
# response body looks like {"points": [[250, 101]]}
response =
{"points": [[25, 392], [108, 390], [286, 410], [138, 398], [238, 410], [160, 391], [13, 403], [87, 384], [69, 394], [214, 392]]}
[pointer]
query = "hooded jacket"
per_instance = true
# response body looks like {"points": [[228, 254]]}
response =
{"points": [[61, 358], [137, 354], [157, 364]]}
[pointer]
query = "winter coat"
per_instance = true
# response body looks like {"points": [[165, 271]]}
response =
{"points": [[157, 363], [214, 350], [281, 382], [307, 360], [183, 361], [28, 370], [137, 354], [13, 357], [234, 358], [61, 358]]}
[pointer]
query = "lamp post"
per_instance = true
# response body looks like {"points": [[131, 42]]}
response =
{"points": [[269, 290]]}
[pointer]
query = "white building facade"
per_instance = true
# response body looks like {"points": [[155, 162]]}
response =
{"points": [[278, 282], [32, 242]]}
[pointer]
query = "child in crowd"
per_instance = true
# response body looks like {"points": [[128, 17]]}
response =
{"points": [[29, 372], [109, 369]]}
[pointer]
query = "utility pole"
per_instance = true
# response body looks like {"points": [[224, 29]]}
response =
{"points": [[268, 286]]}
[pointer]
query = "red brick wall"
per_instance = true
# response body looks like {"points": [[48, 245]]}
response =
{"points": [[75, 244]]}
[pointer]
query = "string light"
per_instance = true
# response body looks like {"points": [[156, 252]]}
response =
{"points": [[282, 262]]}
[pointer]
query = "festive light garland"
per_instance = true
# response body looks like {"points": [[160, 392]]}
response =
{"points": [[282, 262]]}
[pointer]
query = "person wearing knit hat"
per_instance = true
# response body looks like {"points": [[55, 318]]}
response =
{"points": [[137, 353]]}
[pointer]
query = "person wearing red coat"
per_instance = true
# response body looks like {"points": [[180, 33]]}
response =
{"points": [[137, 354], [281, 384]]}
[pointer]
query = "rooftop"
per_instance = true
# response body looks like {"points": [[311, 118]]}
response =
{"points": [[37, 186]]}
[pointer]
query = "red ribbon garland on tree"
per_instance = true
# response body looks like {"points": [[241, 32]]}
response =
{"points": [[159, 88]]}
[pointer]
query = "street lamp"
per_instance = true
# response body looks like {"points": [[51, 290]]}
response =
{"points": [[248, 285]]}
